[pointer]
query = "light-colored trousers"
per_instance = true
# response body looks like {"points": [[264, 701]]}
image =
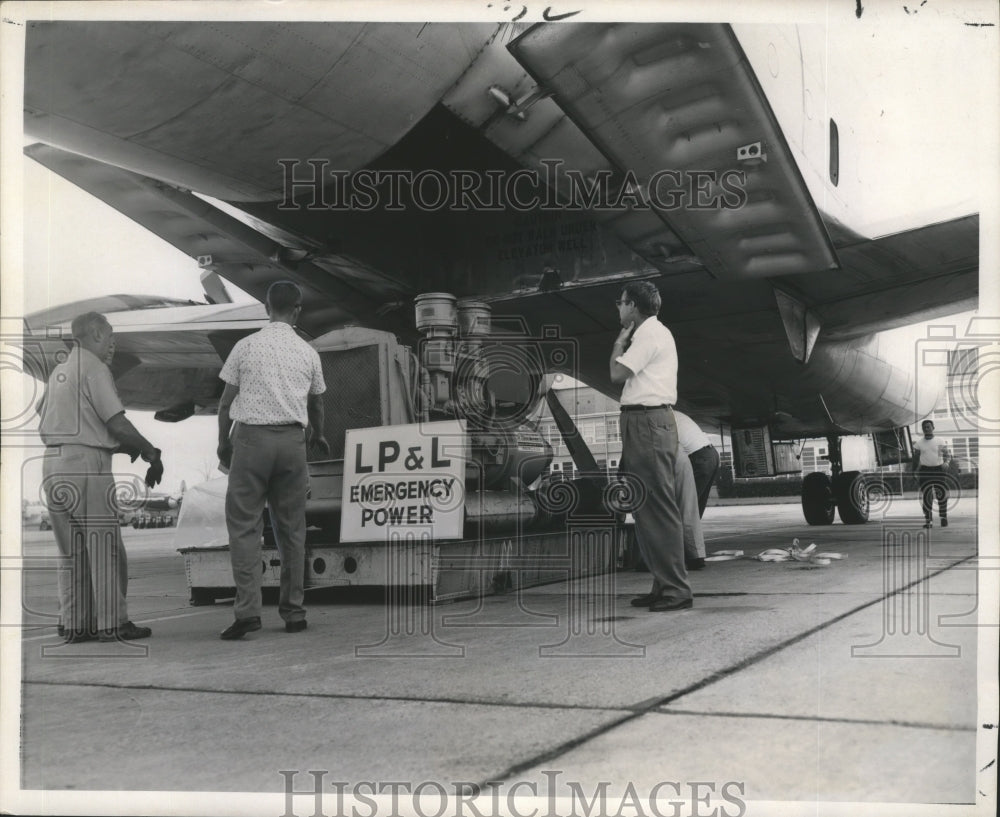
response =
{"points": [[687, 498], [93, 568], [649, 452], [268, 466]]}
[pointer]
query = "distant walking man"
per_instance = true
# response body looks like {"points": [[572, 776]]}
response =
{"points": [[648, 369], [929, 458], [82, 424], [272, 401]]}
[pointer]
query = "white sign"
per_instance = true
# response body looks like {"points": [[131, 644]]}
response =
{"points": [[404, 478]]}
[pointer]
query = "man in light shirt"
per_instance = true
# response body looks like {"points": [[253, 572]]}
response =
{"points": [[274, 380], [704, 458], [929, 459], [648, 370], [82, 424]]}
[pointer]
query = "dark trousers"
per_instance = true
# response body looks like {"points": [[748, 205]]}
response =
{"points": [[269, 465], [705, 463], [931, 480], [649, 451]]}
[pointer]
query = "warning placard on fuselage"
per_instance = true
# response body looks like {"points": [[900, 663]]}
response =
{"points": [[404, 478]]}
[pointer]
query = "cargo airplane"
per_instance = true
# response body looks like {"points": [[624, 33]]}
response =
{"points": [[532, 168]]}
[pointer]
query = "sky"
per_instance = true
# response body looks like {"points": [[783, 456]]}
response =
{"points": [[77, 247]]}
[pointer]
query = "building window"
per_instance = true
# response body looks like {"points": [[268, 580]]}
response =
{"points": [[808, 460], [959, 448], [614, 430]]}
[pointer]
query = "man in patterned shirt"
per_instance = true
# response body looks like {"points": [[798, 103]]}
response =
{"points": [[272, 401]]}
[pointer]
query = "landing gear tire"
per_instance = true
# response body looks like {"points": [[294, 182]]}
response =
{"points": [[818, 503], [853, 503]]}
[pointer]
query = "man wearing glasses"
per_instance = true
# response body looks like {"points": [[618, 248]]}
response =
{"points": [[648, 370], [274, 380]]}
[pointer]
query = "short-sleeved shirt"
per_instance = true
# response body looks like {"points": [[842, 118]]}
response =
{"points": [[275, 371], [79, 400], [930, 451], [689, 437], [652, 359]]}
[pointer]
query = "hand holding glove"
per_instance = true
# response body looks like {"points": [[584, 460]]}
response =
{"points": [[155, 473]]}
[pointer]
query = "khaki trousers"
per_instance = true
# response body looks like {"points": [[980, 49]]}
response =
{"points": [[93, 568], [649, 453], [268, 466]]}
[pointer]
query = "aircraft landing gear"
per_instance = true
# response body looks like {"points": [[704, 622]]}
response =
{"points": [[851, 492], [847, 491], [818, 503]]}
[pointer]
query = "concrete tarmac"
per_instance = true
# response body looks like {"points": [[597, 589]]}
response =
{"points": [[854, 682]]}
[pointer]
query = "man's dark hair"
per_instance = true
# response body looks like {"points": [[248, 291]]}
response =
{"points": [[644, 295], [283, 296], [83, 324]]}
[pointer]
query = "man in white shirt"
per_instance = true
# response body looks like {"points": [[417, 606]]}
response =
{"points": [[697, 464], [648, 370], [274, 380], [929, 460], [704, 458]]}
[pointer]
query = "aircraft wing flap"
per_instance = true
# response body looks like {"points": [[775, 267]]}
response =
{"points": [[903, 278], [336, 289], [684, 99]]}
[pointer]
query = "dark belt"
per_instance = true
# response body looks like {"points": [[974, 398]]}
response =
{"points": [[645, 408], [82, 445]]}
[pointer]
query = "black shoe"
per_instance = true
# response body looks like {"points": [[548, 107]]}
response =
{"points": [[666, 605], [240, 628], [125, 632], [295, 626], [644, 601], [694, 564], [944, 523], [928, 524]]}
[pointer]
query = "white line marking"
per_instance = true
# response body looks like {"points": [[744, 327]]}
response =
{"points": [[140, 621]]}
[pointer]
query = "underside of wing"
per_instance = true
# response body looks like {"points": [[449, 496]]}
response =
{"points": [[773, 303]]}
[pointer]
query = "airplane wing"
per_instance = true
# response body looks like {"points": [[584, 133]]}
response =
{"points": [[773, 303], [251, 254]]}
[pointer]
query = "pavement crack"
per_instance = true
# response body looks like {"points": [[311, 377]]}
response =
{"points": [[330, 696], [653, 704], [818, 719]]}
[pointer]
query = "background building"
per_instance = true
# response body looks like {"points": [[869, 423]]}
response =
{"points": [[597, 418]]}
